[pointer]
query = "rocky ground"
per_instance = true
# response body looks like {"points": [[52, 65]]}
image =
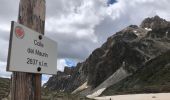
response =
{"points": [[56, 95]]}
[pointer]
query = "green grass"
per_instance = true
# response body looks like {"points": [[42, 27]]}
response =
{"points": [[4, 87]]}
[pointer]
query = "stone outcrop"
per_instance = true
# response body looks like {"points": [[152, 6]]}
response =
{"points": [[65, 81]]}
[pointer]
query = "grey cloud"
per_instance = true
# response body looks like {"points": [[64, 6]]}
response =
{"points": [[71, 47], [4, 35], [56, 8], [9, 10], [4, 50], [3, 72], [105, 28], [4, 38]]}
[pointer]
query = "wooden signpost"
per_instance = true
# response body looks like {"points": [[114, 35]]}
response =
{"points": [[30, 51], [27, 86]]}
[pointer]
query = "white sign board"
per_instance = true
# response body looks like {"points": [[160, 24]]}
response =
{"points": [[30, 51]]}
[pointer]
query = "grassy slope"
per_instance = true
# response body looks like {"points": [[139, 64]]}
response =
{"points": [[153, 77], [4, 87], [46, 95]]}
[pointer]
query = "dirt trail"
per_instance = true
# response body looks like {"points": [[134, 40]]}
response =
{"points": [[156, 96]]}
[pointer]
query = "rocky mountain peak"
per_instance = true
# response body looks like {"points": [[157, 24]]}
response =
{"points": [[69, 70], [129, 50], [155, 23]]}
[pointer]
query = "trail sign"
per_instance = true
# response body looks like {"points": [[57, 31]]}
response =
{"points": [[30, 51]]}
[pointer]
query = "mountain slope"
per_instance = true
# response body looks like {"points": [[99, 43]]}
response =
{"points": [[65, 81], [130, 49], [153, 77]]}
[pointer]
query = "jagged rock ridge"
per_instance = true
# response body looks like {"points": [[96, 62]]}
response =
{"points": [[65, 81], [130, 49]]}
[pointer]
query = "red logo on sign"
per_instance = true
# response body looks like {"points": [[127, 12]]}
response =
{"points": [[19, 32]]}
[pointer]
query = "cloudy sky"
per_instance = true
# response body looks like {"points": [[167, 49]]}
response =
{"points": [[80, 26]]}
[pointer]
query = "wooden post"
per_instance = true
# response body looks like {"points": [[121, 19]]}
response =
{"points": [[27, 86]]}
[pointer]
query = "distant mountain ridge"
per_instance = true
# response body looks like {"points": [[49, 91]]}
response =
{"points": [[123, 55]]}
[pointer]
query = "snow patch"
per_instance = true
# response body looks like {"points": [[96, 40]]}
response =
{"points": [[148, 29], [113, 79], [97, 93], [135, 31], [82, 87]]}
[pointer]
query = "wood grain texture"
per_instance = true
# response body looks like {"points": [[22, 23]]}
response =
{"points": [[27, 86]]}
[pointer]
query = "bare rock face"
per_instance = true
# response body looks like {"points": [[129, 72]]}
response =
{"points": [[155, 23], [131, 48], [65, 81]]}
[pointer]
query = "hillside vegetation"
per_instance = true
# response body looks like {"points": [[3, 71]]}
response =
{"points": [[4, 87]]}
